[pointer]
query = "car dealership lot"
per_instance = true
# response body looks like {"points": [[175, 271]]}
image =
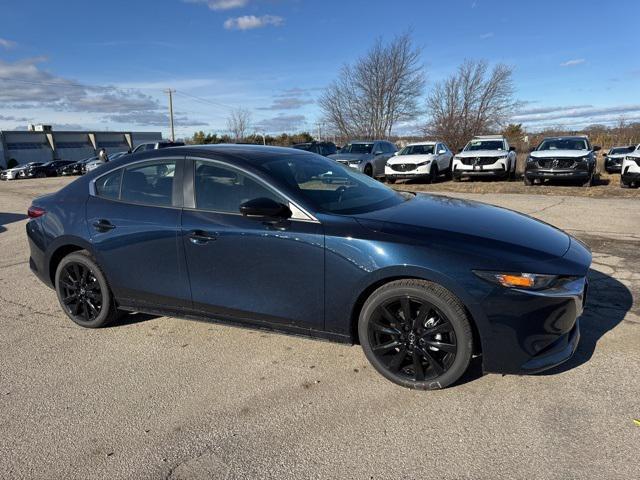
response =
{"points": [[163, 397]]}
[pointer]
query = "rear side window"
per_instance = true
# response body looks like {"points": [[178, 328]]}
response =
{"points": [[151, 183], [108, 186], [223, 189]]}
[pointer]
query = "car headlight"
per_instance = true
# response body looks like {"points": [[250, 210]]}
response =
{"points": [[586, 158], [525, 281], [531, 159], [423, 163]]}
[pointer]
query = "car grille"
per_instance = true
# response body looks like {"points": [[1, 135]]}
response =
{"points": [[556, 163], [479, 160], [403, 167]]}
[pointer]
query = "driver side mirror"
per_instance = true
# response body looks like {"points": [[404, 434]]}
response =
{"points": [[378, 152], [395, 154], [512, 149], [596, 148], [441, 152], [265, 207]]}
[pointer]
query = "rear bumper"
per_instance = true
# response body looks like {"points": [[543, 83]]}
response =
{"points": [[38, 262]]}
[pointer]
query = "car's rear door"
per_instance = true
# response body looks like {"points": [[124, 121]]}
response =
{"points": [[246, 268], [133, 216]]}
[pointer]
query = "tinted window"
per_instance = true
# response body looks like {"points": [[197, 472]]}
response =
{"points": [[358, 148], [417, 150], [329, 186], [617, 151], [151, 183], [564, 144], [108, 186], [484, 145], [223, 189]]}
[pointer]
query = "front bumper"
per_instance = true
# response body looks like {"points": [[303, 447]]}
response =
{"points": [[570, 174], [613, 165], [496, 169]]}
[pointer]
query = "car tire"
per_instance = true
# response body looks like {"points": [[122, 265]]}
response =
{"points": [[455, 178], [368, 170], [588, 183], [624, 185], [528, 182], [416, 334], [390, 180], [433, 175], [83, 291]]}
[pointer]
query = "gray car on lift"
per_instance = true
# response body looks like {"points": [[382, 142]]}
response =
{"points": [[369, 157]]}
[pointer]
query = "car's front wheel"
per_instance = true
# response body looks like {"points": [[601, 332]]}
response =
{"points": [[416, 334], [83, 291]]}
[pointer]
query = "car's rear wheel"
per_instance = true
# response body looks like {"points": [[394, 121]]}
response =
{"points": [[416, 334], [83, 291]]}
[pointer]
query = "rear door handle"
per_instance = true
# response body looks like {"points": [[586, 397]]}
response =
{"points": [[200, 236], [103, 225]]}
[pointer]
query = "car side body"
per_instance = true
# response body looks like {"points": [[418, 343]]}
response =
{"points": [[485, 156], [321, 148], [309, 273], [368, 157], [49, 169]]}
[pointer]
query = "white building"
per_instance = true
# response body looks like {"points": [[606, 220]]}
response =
{"points": [[41, 144]]}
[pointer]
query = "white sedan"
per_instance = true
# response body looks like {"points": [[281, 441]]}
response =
{"points": [[424, 160]]}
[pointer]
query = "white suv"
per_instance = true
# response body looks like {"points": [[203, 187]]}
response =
{"points": [[485, 155], [419, 160], [630, 175]]}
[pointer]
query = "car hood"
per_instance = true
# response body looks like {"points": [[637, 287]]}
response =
{"points": [[481, 153], [16, 169], [352, 157], [410, 159], [490, 228], [560, 153]]}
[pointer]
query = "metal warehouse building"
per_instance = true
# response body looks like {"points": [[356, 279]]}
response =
{"points": [[41, 144]]}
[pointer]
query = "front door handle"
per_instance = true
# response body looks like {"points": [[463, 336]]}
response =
{"points": [[199, 237], [103, 225]]}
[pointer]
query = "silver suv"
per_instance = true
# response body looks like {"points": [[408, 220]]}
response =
{"points": [[368, 157]]}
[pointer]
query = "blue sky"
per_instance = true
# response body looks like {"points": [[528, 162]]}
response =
{"points": [[79, 64]]}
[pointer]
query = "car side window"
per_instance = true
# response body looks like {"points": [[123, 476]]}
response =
{"points": [[224, 189], [150, 183], [108, 186]]}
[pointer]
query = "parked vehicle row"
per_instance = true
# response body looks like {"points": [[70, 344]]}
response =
{"points": [[630, 170]]}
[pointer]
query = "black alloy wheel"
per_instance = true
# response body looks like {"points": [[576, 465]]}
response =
{"points": [[416, 334], [83, 292]]}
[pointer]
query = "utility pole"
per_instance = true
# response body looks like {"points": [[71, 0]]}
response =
{"points": [[171, 92]]}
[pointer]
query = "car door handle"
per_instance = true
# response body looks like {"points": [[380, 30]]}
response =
{"points": [[199, 237], [103, 225]]}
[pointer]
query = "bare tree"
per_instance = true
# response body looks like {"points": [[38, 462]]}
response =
{"points": [[238, 123], [470, 102], [378, 91]]}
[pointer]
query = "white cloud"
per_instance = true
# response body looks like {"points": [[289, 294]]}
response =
{"points": [[575, 115], [248, 22], [484, 36], [7, 44], [221, 4], [572, 63], [281, 123]]}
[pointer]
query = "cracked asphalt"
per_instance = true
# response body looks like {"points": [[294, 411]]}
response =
{"points": [[154, 398]]}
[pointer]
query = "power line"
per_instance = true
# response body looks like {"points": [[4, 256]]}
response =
{"points": [[205, 100]]}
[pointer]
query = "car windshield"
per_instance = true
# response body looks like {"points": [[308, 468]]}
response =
{"points": [[619, 150], [563, 144], [330, 187], [358, 148], [417, 150], [484, 145]]}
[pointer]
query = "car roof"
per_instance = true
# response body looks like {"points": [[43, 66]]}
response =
{"points": [[488, 137], [567, 137], [428, 142]]}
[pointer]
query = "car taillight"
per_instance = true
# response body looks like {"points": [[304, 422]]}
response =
{"points": [[35, 212]]}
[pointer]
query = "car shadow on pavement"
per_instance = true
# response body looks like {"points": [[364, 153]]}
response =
{"points": [[607, 305], [131, 318], [6, 218]]}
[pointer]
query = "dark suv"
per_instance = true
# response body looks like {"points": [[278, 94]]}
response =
{"points": [[321, 148], [562, 158], [613, 158]]}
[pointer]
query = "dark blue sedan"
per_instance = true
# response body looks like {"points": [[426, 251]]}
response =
{"points": [[287, 240]]}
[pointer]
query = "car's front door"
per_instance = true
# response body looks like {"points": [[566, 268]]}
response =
{"points": [[251, 269], [133, 217]]}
